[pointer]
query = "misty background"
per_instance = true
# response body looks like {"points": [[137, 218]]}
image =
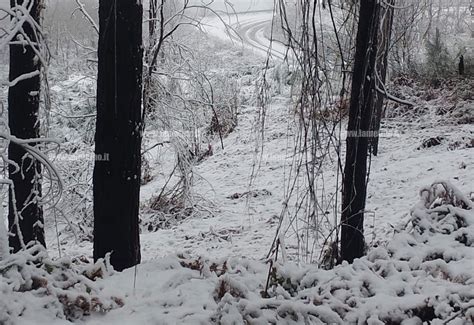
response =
{"points": [[62, 21]]}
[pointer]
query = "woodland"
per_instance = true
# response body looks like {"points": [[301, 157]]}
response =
{"points": [[237, 162]]}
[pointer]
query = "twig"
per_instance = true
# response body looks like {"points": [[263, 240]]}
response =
{"points": [[83, 10]]}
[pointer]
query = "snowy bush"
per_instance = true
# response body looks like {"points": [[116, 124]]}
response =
{"points": [[35, 288], [450, 103], [164, 211], [423, 275]]}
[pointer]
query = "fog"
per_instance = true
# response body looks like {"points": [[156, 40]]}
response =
{"points": [[59, 20], [238, 5]]}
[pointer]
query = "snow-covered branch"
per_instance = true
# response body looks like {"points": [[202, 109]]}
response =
{"points": [[25, 76], [84, 12]]}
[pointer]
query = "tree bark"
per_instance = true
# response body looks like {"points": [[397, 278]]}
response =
{"points": [[118, 136], [25, 211], [360, 116]]}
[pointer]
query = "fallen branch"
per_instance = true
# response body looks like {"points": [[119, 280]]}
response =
{"points": [[394, 98]]}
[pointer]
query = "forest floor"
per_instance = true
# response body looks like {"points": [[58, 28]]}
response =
{"points": [[212, 269]]}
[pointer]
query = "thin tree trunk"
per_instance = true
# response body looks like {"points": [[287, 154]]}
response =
{"points": [[25, 209], [118, 133], [360, 116], [471, 8], [152, 16], [147, 83], [383, 45]]}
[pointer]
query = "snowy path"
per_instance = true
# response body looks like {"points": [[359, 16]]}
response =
{"points": [[248, 30]]}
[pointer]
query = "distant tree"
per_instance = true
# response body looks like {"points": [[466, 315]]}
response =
{"points": [[118, 136], [471, 7], [437, 57], [461, 65], [25, 214], [361, 112]]}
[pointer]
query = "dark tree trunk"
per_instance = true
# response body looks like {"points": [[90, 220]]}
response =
{"points": [[357, 143], [118, 135], [461, 66], [23, 109]]}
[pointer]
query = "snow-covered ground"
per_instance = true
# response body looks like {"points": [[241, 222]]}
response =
{"points": [[422, 275], [245, 228]]}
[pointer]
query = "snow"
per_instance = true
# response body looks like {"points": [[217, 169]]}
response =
{"points": [[387, 285], [38, 290], [213, 269], [247, 30], [415, 274], [241, 6], [244, 227]]}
